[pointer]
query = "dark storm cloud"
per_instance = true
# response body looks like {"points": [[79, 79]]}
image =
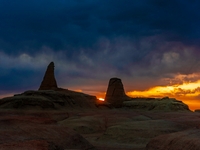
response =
{"points": [[28, 25], [92, 40]]}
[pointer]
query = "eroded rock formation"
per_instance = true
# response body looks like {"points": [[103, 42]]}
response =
{"points": [[49, 99], [115, 94], [49, 81], [161, 104]]}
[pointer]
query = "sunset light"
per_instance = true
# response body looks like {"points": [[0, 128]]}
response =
{"points": [[188, 92], [101, 99]]}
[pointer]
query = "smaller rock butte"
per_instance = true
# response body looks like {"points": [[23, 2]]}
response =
{"points": [[115, 94], [49, 81]]}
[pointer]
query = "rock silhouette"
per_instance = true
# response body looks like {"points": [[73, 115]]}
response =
{"points": [[151, 104], [48, 99], [49, 81], [115, 94], [49, 96]]}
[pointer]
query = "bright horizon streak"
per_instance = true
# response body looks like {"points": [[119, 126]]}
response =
{"points": [[186, 89], [189, 93]]}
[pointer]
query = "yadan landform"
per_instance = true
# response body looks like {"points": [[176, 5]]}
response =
{"points": [[53, 118]]}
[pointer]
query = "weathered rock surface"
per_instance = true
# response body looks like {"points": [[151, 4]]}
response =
{"points": [[184, 140], [84, 125], [127, 129], [115, 94], [105, 129], [17, 135], [49, 99], [139, 132], [28, 145], [164, 104], [49, 81]]}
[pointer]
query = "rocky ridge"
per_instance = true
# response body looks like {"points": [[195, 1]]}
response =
{"points": [[49, 99], [159, 104]]}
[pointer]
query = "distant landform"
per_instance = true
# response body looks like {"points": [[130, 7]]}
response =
{"points": [[50, 96]]}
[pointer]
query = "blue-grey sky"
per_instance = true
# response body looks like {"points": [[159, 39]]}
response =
{"points": [[145, 43]]}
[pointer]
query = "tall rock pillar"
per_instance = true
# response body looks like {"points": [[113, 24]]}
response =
{"points": [[115, 94], [49, 81]]}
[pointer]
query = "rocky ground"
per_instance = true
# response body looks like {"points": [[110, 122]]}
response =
{"points": [[99, 129]]}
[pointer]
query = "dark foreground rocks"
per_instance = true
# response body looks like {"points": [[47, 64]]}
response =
{"points": [[41, 137], [185, 140], [99, 129], [37, 131]]}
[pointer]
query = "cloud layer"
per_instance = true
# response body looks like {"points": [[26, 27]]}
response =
{"points": [[145, 43]]}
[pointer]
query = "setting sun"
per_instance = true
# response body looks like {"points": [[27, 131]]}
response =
{"points": [[101, 99]]}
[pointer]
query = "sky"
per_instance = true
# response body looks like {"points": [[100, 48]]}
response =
{"points": [[152, 45]]}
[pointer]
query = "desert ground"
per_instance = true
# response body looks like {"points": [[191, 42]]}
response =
{"points": [[99, 129]]}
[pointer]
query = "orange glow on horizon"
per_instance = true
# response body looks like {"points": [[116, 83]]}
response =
{"points": [[78, 90], [188, 92], [6, 95]]}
